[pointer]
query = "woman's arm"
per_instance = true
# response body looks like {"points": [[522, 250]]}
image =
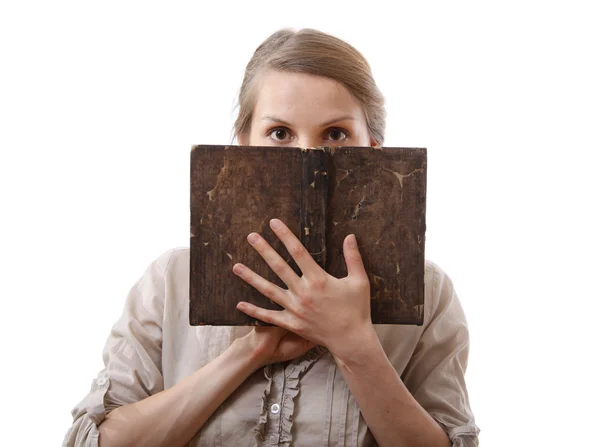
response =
{"points": [[173, 416], [127, 403], [335, 312], [394, 417]]}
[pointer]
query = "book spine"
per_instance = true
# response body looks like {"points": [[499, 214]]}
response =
{"points": [[313, 212]]}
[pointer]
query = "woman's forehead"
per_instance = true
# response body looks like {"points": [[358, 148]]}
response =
{"points": [[305, 97]]}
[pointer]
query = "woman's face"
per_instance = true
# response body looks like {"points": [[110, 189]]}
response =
{"points": [[303, 110]]}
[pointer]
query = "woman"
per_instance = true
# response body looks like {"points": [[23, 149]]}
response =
{"points": [[326, 375]]}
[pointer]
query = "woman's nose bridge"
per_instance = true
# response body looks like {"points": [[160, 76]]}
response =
{"points": [[309, 141]]}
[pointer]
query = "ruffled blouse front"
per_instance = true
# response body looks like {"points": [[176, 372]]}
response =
{"points": [[304, 402]]}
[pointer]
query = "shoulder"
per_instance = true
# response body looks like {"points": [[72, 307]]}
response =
{"points": [[170, 265], [172, 259], [435, 277], [441, 298], [173, 266], [166, 275]]}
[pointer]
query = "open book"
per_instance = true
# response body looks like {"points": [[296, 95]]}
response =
{"points": [[322, 195]]}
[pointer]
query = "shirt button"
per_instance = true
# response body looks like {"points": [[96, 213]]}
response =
{"points": [[273, 439], [101, 381], [275, 408]]}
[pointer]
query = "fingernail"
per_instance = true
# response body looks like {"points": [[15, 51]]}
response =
{"points": [[352, 241], [276, 224], [253, 238], [238, 268]]}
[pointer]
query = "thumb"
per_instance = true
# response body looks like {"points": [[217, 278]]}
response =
{"points": [[353, 258]]}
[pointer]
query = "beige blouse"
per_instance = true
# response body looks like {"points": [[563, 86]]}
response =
{"points": [[305, 403]]}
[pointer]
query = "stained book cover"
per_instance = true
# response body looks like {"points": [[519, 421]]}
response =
{"points": [[322, 195]]}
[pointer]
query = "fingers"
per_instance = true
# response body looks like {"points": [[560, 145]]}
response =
{"points": [[275, 317], [305, 261], [292, 346], [272, 258], [267, 288], [279, 331], [353, 258]]}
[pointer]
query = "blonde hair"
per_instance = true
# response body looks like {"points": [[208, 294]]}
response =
{"points": [[312, 52]]}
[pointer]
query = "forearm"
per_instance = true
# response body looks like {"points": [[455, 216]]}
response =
{"points": [[394, 417], [173, 416]]}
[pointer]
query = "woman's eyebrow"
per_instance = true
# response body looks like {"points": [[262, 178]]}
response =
{"points": [[341, 118], [275, 120], [325, 124]]}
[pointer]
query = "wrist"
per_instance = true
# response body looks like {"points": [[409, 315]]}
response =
{"points": [[357, 346], [244, 351]]}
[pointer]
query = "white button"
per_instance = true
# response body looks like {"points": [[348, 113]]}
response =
{"points": [[273, 439], [275, 408], [101, 381]]}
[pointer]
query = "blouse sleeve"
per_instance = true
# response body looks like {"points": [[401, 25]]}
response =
{"points": [[132, 357], [435, 375]]}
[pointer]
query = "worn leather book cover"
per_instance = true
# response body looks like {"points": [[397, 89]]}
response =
{"points": [[322, 195]]}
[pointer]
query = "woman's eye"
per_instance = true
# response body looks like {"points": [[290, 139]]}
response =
{"points": [[337, 135], [279, 134]]}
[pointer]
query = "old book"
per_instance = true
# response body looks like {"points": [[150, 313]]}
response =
{"points": [[322, 195]]}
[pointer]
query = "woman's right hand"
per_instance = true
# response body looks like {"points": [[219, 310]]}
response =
{"points": [[272, 344], [173, 415]]}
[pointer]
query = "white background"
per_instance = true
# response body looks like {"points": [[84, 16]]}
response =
{"points": [[101, 102]]}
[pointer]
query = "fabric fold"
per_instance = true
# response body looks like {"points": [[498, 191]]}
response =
{"points": [[292, 388], [460, 435], [259, 429], [464, 436], [329, 403], [89, 414]]}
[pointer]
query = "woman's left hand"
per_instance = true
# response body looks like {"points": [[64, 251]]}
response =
{"points": [[332, 312]]}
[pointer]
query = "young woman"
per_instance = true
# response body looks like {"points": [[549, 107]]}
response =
{"points": [[325, 375]]}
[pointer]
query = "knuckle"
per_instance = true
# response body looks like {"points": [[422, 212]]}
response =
{"points": [[296, 250], [363, 284], [270, 293], [278, 266], [263, 315], [298, 327], [305, 299], [356, 258], [319, 283]]}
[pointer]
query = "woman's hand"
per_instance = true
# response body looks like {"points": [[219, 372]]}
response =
{"points": [[328, 311], [271, 344]]}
